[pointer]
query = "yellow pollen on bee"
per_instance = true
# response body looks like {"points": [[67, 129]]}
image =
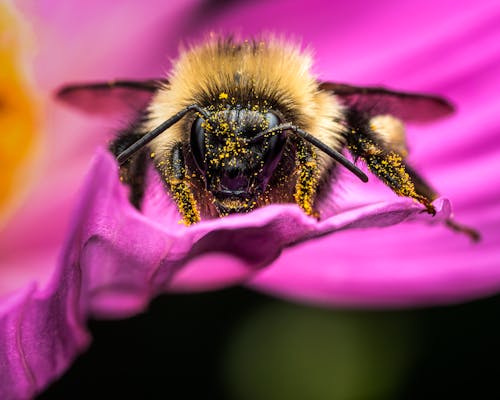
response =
{"points": [[307, 180], [391, 169], [223, 96], [152, 155], [185, 202], [224, 127]]}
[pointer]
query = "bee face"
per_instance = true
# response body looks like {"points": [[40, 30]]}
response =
{"points": [[235, 163]]}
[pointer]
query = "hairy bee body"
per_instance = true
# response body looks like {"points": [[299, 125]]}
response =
{"points": [[238, 125], [254, 76]]}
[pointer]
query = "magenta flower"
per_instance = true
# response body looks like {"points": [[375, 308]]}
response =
{"points": [[372, 249]]}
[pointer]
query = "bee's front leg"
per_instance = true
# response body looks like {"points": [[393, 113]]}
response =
{"points": [[380, 142], [307, 178], [173, 172], [377, 147]]}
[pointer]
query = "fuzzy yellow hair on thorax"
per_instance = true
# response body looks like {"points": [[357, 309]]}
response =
{"points": [[271, 74], [248, 72]]}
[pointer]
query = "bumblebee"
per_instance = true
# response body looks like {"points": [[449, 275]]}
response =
{"points": [[238, 125]]}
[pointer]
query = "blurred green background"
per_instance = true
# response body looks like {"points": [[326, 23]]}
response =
{"points": [[237, 344]]}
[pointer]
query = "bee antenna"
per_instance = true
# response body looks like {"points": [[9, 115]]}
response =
{"points": [[148, 137], [341, 159]]}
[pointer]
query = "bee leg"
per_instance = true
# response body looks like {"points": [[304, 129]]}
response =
{"points": [[307, 179], [173, 173], [378, 146], [386, 164], [132, 172]]}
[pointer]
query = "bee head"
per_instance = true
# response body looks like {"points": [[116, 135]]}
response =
{"points": [[236, 168]]}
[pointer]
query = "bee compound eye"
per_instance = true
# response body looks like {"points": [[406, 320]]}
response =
{"points": [[272, 119], [274, 144], [198, 143]]}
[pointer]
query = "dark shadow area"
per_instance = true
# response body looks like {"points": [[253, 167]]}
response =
{"points": [[175, 351]]}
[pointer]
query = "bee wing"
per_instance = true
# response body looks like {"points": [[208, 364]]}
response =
{"points": [[412, 107], [110, 98]]}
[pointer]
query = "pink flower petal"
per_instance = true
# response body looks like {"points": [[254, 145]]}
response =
{"points": [[117, 258], [128, 256], [41, 331]]}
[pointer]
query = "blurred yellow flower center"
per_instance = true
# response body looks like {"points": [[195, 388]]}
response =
{"points": [[18, 106]]}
